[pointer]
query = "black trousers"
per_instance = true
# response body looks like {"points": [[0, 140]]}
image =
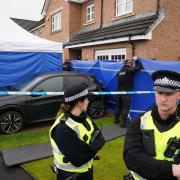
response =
{"points": [[65, 175], [123, 104]]}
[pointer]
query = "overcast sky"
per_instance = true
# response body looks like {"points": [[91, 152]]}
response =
{"points": [[22, 9]]}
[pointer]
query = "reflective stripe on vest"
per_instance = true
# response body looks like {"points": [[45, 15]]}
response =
{"points": [[160, 138], [80, 131]]}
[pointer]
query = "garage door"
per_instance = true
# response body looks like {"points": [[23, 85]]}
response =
{"points": [[111, 54]]}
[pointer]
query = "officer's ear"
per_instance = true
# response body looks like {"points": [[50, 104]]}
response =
{"points": [[178, 98]]}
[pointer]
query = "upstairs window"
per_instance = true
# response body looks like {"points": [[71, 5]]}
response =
{"points": [[90, 13], [56, 21], [124, 7]]}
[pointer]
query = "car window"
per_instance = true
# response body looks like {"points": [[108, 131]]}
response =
{"points": [[77, 79], [54, 84]]}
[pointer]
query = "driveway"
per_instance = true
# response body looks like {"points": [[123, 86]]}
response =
{"points": [[12, 173]]}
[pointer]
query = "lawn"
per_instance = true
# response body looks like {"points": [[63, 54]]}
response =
{"points": [[110, 167], [38, 135]]}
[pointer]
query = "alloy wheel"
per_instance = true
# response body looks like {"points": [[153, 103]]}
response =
{"points": [[11, 122], [96, 109]]}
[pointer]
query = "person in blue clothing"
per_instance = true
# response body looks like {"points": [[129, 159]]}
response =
{"points": [[125, 82]]}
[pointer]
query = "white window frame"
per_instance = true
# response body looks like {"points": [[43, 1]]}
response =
{"points": [[56, 21], [124, 3], [90, 13], [111, 54], [39, 33]]}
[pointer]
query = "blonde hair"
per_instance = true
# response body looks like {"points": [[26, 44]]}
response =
{"points": [[65, 109]]}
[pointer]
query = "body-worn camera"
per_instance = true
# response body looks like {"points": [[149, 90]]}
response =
{"points": [[173, 146], [95, 134]]}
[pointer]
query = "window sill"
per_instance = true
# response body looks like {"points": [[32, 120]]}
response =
{"points": [[123, 16], [88, 23], [56, 31]]}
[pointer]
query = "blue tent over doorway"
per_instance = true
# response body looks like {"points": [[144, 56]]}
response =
{"points": [[22, 54], [106, 72]]}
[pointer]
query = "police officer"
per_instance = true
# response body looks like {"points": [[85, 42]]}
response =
{"points": [[75, 139], [148, 151], [125, 80]]}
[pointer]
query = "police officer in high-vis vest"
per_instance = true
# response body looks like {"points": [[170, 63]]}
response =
{"points": [[75, 139], [152, 142]]}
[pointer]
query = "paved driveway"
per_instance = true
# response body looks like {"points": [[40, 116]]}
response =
{"points": [[12, 173]]}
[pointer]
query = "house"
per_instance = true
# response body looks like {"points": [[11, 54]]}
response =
{"points": [[38, 28], [114, 29], [35, 27], [25, 24]]}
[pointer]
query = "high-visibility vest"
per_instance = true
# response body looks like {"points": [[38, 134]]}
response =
{"points": [[81, 131], [160, 138]]}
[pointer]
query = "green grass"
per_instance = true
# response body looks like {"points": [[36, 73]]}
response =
{"points": [[38, 135], [104, 122], [24, 138], [110, 167]]}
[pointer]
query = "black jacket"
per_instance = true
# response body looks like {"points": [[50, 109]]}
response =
{"points": [[75, 150], [125, 77], [137, 159]]}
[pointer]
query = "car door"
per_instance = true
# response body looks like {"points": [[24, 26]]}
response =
{"points": [[45, 107]]}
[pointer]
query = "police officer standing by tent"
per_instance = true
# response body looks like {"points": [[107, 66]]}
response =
{"points": [[152, 143], [125, 82], [75, 139]]}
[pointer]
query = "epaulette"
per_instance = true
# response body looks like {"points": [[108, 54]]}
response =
{"points": [[64, 118]]}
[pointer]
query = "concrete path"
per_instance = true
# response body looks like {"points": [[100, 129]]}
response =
{"points": [[12, 173]]}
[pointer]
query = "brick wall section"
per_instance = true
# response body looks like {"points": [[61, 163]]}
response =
{"points": [[63, 34], [166, 36], [142, 6], [74, 17]]}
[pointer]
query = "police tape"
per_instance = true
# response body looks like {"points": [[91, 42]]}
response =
{"points": [[33, 93]]}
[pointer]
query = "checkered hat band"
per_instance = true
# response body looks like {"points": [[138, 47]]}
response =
{"points": [[72, 98], [167, 82]]}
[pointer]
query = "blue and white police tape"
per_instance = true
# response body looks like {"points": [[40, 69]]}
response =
{"points": [[62, 93]]}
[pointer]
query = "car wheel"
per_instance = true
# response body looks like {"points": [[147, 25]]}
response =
{"points": [[96, 109], [11, 122]]}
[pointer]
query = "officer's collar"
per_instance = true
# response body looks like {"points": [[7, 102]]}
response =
{"points": [[80, 118], [171, 118]]}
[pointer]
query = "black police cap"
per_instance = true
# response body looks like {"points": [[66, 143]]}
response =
{"points": [[166, 81], [75, 92]]}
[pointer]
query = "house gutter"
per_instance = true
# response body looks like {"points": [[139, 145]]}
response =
{"points": [[158, 7], [101, 21], [133, 45], [147, 36]]}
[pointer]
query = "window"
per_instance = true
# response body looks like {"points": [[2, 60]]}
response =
{"points": [[111, 54], [39, 33], [77, 79], [54, 84], [56, 21], [90, 13], [123, 7]]}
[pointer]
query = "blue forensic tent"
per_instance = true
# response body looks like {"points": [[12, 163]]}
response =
{"points": [[23, 54], [106, 72]]}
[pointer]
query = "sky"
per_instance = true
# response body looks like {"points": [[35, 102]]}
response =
{"points": [[22, 9]]}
